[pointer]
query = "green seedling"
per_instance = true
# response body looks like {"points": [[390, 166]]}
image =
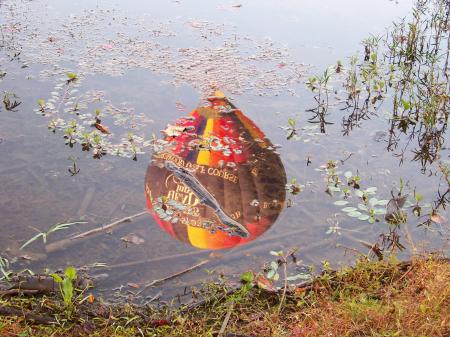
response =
{"points": [[66, 285], [291, 129], [293, 187], [71, 77]]}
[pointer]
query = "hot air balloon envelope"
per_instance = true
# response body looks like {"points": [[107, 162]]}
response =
{"points": [[215, 181]]}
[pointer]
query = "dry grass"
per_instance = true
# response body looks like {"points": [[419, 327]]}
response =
{"points": [[371, 299]]}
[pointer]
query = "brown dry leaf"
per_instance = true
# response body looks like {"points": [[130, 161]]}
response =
{"points": [[102, 128], [133, 238], [133, 285], [214, 255], [264, 283], [300, 291], [437, 218]]}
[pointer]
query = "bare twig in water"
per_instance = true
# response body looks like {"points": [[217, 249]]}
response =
{"points": [[356, 251], [64, 243], [157, 259], [184, 271], [347, 158]]}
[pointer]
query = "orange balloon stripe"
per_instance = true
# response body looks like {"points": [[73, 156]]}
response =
{"points": [[201, 238]]}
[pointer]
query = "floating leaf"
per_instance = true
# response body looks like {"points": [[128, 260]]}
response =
{"points": [[334, 188], [364, 217], [354, 214], [371, 190], [341, 202], [274, 265], [348, 174], [363, 207], [274, 253], [373, 201], [102, 128], [272, 274], [349, 209], [300, 276], [359, 193]]}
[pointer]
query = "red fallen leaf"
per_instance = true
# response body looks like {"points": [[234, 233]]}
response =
{"points": [[102, 128], [281, 65], [134, 285], [264, 283], [159, 322]]}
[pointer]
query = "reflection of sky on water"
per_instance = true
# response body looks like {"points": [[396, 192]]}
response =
{"points": [[315, 32], [38, 191]]}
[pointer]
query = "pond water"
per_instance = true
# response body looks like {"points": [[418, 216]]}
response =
{"points": [[136, 66]]}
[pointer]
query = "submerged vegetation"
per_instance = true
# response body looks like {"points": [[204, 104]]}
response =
{"points": [[406, 72], [404, 76]]}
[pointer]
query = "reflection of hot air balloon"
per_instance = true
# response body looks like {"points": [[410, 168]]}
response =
{"points": [[216, 182]]}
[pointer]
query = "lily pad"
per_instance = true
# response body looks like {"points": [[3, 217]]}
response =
{"points": [[354, 214]]}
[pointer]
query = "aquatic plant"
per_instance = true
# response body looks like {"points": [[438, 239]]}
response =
{"points": [[4, 268], [66, 286], [74, 170], [321, 86], [10, 101], [54, 228], [404, 71]]}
